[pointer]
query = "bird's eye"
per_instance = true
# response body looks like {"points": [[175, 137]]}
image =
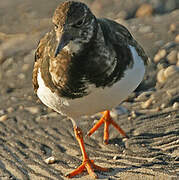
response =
{"points": [[79, 23]]}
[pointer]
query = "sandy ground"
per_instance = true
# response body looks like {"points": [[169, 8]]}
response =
{"points": [[30, 132]]}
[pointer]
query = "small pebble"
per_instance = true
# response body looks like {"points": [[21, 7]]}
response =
{"points": [[163, 74], [124, 139], [160, 76], [13, 98], [170, 71], [50, 160], [29, 98], [116, 157], [21, 107], [10, 109], [133, 114], [175, 105], [172, 57], [2, 111], [21, 76], [3, 118], [177, 38], [144, 10], [53, 115], [25, 67], [172, 27], [163, 106], [157, 58], [160, 54], [32, 110], [147, 103]]}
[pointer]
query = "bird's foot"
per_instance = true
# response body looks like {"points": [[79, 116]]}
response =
{"points": [[87, 164], [107, 120]]}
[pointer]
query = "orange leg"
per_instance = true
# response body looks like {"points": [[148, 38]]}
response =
{"points": [[87, 164], [107, 120]]}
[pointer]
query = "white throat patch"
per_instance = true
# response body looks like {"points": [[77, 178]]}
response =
{"points": [[72, 48]]}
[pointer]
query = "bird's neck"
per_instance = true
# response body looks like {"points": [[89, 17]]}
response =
{"points": [[73, 48]]}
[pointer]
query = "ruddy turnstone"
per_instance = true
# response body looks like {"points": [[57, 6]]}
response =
{"points": [[86, 65]]}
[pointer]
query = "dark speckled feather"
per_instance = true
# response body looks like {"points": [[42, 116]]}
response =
{"points": [[101, 61], [120, 36]]}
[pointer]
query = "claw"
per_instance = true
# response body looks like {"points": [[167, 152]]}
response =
{"points": [[87, 164]]}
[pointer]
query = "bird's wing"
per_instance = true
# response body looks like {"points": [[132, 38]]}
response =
{"points": [[120, 36], [53, 69], [38, 56], [41, 59]]}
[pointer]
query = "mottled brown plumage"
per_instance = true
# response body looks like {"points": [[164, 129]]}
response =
{"points": [[86, 65], [52, 69], [55, 70]]}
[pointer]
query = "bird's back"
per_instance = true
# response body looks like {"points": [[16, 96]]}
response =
{"points": [[118, 35]]}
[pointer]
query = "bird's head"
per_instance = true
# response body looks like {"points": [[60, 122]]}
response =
{"points": [[75, 25]]}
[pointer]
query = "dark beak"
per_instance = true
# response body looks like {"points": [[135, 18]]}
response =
{"points": [[65, 39]]}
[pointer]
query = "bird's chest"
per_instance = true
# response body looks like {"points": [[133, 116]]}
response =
{"points": [[98, 98], [106, 97], [47, 96]]}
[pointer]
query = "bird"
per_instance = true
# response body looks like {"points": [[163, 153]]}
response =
{"points": [[85, 65]]}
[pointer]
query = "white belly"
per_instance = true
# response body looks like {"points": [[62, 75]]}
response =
{"points": [[99, 99]]}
